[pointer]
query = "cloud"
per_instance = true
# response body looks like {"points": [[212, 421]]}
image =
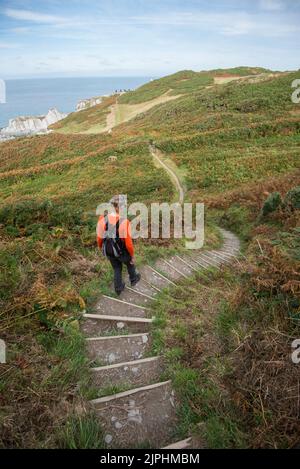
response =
{"points": [[8, 45], [21, 30], [272, 5], [36, 17], [228, 24], [234, 23]]}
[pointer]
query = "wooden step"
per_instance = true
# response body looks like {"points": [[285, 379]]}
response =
{"points": [[118, 349], [209, 262], [230, 250], [224, 256], [187, 269], [166, 269], [202, 265], [134, 373], [179, 266], [189, 262], [138, 418], [117, 307], [94, 325], [155, 278], [145, 288], [183, 444], [136, 297]]}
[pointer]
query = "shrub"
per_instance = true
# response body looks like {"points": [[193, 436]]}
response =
{"points": [[271, 204], [236, 218], [33, 215], [253, 105], [26, 212], [292, 199]]}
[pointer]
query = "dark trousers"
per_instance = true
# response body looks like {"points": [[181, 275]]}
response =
{"points": [[117, 265]]}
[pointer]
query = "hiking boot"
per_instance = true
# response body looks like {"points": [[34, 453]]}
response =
{"points": [[118, 292], [137, 279]]}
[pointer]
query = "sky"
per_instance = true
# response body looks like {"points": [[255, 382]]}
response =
{"points": [[54, 38]]}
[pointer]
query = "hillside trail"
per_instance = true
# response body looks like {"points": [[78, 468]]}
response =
{"points": [[137, 407], [158, 157], [120, 113]]}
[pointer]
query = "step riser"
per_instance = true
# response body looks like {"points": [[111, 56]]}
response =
{"points": [[167, 270], [155, 279], [231, 251], [187, 268], [219, 258], [179, 267], [201, 265], [133, 420], [136, 298], [118, 350], [184, 444], [190, 264], [131, 374], [98, 327], [209, 263], [116, 308], [145, 288], [225, 257], [212, 259]]}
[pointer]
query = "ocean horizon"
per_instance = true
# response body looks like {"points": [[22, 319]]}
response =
{"points": [[35, 96]]}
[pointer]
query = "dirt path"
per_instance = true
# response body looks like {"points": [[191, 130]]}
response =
{"points": [[120, 113], [111, 120], [158, 157]]}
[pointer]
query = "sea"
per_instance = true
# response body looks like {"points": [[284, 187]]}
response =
{"points": [[34, 97]]}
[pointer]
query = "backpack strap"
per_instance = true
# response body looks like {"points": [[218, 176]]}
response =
{"points": [[117, 226], [117, 229]]}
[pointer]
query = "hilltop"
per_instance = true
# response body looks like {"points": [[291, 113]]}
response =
{"points": [[232, 137], [117, 109]]}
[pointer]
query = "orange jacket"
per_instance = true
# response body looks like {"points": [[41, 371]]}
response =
{"points": [[124, 231]]}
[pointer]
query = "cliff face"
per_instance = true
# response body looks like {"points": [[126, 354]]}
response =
{"points": [[86, 103], [32, 124]]}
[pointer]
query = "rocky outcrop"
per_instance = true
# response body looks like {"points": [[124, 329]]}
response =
{"points": [[27, 125], [87, 103]]}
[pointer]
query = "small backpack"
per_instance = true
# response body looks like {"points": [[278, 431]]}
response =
{"points": [[113, 245]]}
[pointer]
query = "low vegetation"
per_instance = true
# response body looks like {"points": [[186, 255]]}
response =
{"points": [[87, 120], [226, 336]]}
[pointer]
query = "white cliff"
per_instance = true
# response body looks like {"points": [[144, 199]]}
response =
{"points": [[26, 125], [90, 102]]}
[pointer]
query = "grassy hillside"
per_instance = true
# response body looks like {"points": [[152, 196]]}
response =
{"points": [[117, 109], [231, 105], [90, 120], [183, 82], [234, 144]]}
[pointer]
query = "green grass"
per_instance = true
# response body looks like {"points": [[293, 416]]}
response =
{"points": [[81, 432], [87, 119], [217, 108], [186, 81]]}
